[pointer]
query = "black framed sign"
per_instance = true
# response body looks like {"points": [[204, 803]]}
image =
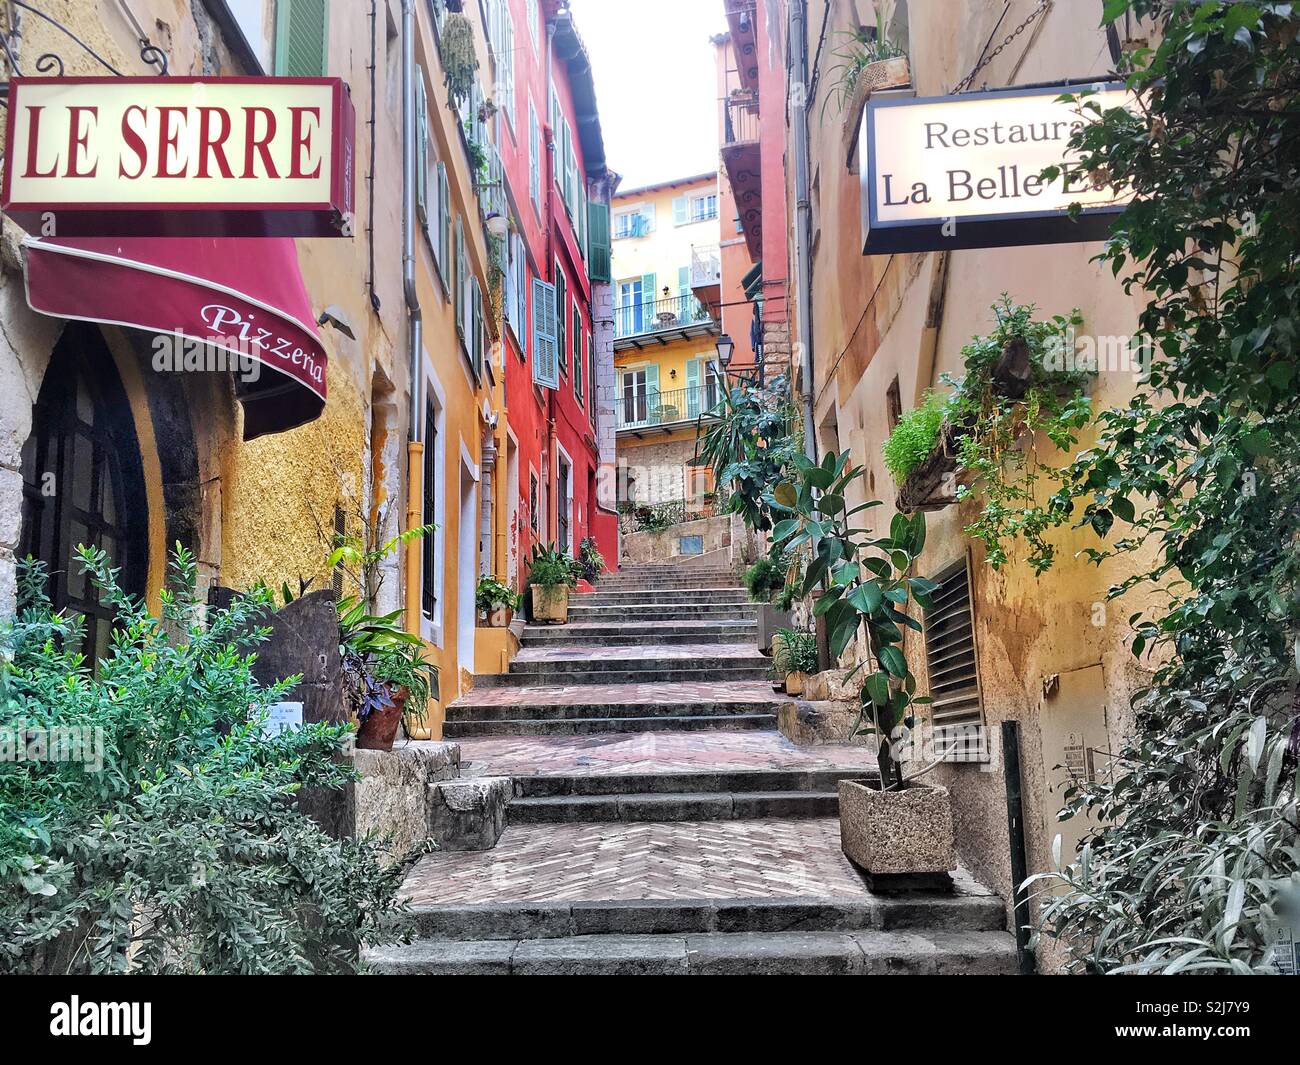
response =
{"points": [[949, 172]]}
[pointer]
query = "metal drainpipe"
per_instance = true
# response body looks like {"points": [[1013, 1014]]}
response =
{"points": [[803, 211], [415, 324]]}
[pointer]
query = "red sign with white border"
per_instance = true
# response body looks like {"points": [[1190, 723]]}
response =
{"points": [[173, 156]]}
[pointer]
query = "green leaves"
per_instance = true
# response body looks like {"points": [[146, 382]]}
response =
{"points": [[891, 658]]}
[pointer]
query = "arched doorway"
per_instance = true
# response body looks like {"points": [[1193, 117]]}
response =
{"points": [[83, 481]]}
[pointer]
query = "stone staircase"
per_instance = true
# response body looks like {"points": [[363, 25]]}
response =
{"points": [[649, 650], [658, 822]]}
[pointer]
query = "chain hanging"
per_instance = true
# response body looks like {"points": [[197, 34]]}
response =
{"points": [[965, 82]]}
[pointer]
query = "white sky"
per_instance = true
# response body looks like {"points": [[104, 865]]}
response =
{"points": [[655, 84]]}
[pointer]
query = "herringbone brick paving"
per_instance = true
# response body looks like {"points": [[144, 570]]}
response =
{"points": [[772, 858], [651, 752]]}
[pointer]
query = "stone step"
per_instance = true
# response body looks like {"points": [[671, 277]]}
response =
{"points": [[687, 806], [652, 675], [663, 635], [467, 710], [714, 780], [642, 612], [708, 953], [565, 659], [587, 725], [658, 596], [933, 911]]}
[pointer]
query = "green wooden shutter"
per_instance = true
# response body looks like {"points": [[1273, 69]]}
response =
{"points": [[684, 293], [561, 318], [652, 392], [545, 368], [443, 242], [577, 354], [461, 272], [649, 297], [693, 388], [680, 217], [598, 266], [422, 165], [301, 38]]}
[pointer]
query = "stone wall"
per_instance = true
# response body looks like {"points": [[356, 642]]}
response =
{"points": [[394, 794], [643, 547]]}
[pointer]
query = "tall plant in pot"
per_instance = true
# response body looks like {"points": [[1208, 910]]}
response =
{"points": [[551, 573], [386, 677], [898, 831]]}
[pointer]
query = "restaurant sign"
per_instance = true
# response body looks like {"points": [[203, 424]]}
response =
{"points": [[179, 157], [950, 172]]}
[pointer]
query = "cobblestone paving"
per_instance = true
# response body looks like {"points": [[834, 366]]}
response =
{"points": [[751, 691], [650, 752], [653, 860], [647, 652]]}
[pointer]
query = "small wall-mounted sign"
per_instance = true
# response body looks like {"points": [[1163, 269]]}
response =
{"points": [[948, 172], [282, 716], [179, 157]]}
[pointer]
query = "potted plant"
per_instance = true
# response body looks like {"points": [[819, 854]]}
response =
{"points": [[766, 584], [496, 601], [591, 563], [386, 678], [794, 654], [551, 573]]}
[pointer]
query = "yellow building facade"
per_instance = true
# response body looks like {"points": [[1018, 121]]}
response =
{"points": [[665, 258]]}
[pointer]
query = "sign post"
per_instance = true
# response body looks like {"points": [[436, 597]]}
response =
{"points": [[214, 157], [950, 172]]}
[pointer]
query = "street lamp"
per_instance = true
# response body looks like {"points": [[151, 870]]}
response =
{"points": [[725, 346]]}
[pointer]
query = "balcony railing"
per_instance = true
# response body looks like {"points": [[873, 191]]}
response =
{"points": [[706, 265], [639, 410], [740, 124], [655, 315]]}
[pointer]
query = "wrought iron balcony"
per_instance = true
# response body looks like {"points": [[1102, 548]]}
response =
{"points": [[706, 265], [642, 410], [675, 312]]}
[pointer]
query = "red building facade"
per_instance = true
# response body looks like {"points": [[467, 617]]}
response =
{"points": [[552, 168]]}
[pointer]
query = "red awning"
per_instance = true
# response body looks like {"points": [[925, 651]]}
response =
{"points": [[241, 296]]}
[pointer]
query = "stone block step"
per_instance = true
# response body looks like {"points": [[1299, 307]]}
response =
{"points": [[709, 953], [728, 632], [642, 612], [686, 806], [587, 725], [564, 659], [659, 596], [560, 919], [734, 780], [467, 710], [653, 675]]}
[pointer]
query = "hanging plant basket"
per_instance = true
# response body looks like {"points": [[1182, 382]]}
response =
{"points": [[926, 487], [880, 76], [459, 59]]}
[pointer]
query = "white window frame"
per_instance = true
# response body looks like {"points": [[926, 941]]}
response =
{"points": [[433, 630], [534, 158]]}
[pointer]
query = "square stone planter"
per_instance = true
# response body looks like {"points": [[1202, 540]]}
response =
{"points": [[902, 840], [770, 621], [551, 603]]}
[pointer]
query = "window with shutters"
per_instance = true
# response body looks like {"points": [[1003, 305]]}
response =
{"points": [[534, 158], [478, 331], [506, 66], [703, 208], [423, 150], [301, 38], [545, 361], [577, 355], [429, 543], [534, 22], [441, 237], [591, 379], [561, 318], [462, 288], [598, 264], [951, 664]]}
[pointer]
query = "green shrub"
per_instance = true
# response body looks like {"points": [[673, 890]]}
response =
{"points": [[492, 593], [179, 846], [796, 652], [764, 578], [915, 436], [549, 567]]}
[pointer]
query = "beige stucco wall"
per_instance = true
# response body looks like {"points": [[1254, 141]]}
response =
{"points": [[920, 309]]}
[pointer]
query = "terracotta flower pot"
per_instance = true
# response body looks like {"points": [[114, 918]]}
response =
{"points": [[378, 731], [496, 618], [901, 839], [551, 603]]}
